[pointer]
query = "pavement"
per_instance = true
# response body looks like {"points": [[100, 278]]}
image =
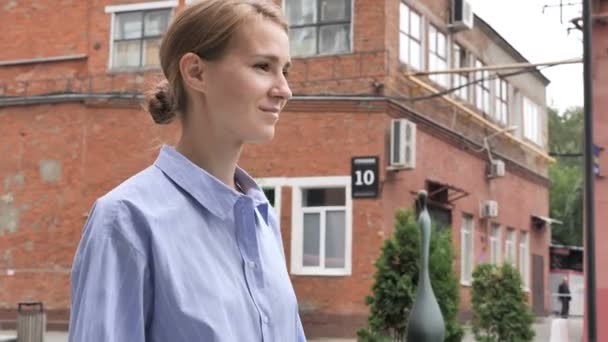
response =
{"points": [[542, 327]]}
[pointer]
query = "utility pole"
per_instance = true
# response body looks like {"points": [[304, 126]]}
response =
{"points": [[590, 268]]}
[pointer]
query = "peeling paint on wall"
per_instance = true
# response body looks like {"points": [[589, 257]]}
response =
{"points": [[10, 5], [12, 182], [7, 258], [50, 170], [9, 215], [29, 245]]}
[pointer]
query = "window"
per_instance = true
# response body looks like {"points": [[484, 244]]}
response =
{"points": [[319, 27], [524, 259], [495, 243], [321, 221], [510, 246], [438, 56], [137, 30], [410, 37], [272, 189], [482, 87], [531, 121], [501, 95], [460, 60], [466, 249]]}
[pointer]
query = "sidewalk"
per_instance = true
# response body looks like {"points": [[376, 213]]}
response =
{"points": [[542, 328]]}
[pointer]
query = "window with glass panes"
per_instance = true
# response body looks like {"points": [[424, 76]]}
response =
{"points": [[466, 249], [495, 244], [410, 37], [460, 60], [501, 99], [510, 246], [319, 27], [438, 56], [324, 228], [482, 93], [531, 121], [136, 37], [524, 259]]}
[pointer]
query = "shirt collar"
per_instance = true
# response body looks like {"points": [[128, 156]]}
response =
{"points": [[206, 189]]}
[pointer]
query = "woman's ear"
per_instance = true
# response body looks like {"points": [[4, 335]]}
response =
{"points": [[193, 68]]}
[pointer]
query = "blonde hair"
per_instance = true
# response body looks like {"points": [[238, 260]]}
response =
{"points": [[206, 29]]}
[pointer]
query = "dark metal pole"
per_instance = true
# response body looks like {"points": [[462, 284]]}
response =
{"points": [[589, 176]]}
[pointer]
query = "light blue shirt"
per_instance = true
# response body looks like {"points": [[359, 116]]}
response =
{"points": [[173, 254]]}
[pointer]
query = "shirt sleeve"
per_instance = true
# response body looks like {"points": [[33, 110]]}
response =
{"points": [[110, 291]]}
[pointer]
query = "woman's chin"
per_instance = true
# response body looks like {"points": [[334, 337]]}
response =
{"points": [[263, 136]]}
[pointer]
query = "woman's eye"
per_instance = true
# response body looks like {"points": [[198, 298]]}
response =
{"points": [[263, 66], [286, 73]]}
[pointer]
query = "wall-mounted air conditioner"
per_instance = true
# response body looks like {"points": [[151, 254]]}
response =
{"points": [[403, 144], [497, 168], [462, 15], [489, 209]]}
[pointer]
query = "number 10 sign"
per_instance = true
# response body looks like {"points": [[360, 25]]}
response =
{"points": [[364, 177]]}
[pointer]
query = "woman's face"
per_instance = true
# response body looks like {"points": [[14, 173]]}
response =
{"points": [[247, 87]]}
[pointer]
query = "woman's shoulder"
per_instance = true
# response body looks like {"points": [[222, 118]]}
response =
{"points": [[125, 211], [141, 195], [142, 189]]}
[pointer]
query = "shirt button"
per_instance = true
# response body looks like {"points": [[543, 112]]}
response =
{"points": [[265, 319], [251, 264]]}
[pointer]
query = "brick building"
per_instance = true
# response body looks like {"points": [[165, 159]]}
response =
{"points": [[72, 74], [599, 69]]}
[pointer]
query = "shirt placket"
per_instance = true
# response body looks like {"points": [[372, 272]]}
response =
{"points": [[253, 271]]}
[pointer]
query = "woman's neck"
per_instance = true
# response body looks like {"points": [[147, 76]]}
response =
{"points": [[217, 157]]}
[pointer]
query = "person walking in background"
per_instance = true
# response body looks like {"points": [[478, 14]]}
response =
{"points": [[564, 297], [190, 249]]}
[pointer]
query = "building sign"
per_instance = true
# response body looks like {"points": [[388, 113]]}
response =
{"points": [[364, 177]]}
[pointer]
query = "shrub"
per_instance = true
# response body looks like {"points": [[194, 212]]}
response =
{"points": [[396, 277], [500, 311]]}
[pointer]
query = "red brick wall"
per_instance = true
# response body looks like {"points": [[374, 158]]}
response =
{"points": [[43, 28], [59, 158]]}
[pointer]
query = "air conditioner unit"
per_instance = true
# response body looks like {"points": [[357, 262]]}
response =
{"points": [[489, 209], [403, 144], [497, 168], [462, 15]]}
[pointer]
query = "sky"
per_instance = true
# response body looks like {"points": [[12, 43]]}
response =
{"points": [[541, 37]]}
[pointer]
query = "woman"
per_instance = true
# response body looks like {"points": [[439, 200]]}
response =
{"points": [[189, 249]]}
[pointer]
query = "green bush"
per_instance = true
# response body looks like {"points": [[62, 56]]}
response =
{"points": [[500, 311], [396, 277]]}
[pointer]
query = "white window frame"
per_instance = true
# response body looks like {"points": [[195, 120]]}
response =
{"points": [[405, 36], [297, 215], [275, 183], [510, 253], [501, 100], [467, 232], [531, 120], [482, 89], [143, 6], [459, 79], [524, 259], [438, 62], [351, 34], [495, 244]]}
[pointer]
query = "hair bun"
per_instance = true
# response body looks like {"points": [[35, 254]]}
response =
{"points": [[161, 104]]}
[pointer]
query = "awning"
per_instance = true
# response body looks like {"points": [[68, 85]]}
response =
{"points": [[540, 220], [454, 193]]}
